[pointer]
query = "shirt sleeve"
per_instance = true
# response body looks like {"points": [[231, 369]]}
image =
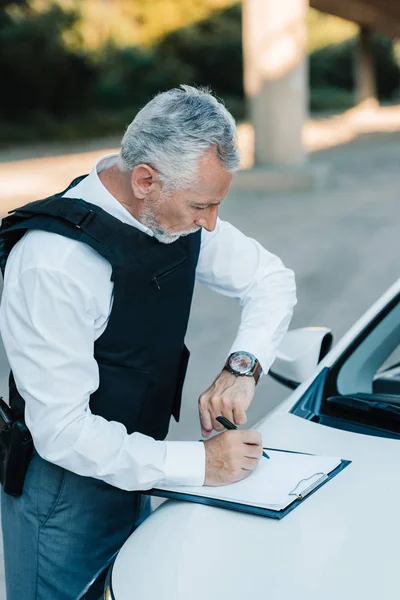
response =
{"points": [[238, 266], [47, 325]]}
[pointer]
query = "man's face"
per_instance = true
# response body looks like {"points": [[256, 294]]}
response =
{"points": [[179, 213]]}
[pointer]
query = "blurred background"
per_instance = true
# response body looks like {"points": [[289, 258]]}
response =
{"points": [[73, 69], [315, 91]]}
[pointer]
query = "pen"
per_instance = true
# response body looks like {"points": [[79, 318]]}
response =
{"points": [[228, 425]]}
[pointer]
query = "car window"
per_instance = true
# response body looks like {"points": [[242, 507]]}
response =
{"points": [[387, 377], [357, 369], [392, 360], [360, 392]]}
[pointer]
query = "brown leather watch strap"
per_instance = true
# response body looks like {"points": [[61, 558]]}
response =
{"points": [[256, 373]]}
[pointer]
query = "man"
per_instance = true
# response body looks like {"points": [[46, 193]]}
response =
{"points": [[97, 292]]}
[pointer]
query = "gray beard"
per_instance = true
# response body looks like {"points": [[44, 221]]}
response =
{"points": [[159, 232], [167, 238]]}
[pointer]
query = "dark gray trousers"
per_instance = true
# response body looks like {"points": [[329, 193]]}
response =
{"points": [[63, 531]]}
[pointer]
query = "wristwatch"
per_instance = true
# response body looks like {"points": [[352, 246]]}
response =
{"points": [[243, 364]]}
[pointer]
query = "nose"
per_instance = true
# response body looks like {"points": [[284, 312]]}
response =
{"points": [[208, 218]]}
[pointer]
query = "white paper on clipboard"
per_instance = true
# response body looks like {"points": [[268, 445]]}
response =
{"points": [[275, 483]]}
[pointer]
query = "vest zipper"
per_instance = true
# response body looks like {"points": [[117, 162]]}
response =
{"points": [[158, 277]]}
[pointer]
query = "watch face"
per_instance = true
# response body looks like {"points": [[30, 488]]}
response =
{"points": [[241, 362]]}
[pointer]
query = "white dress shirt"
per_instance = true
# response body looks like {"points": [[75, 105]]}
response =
{"points": [[56, 302]]}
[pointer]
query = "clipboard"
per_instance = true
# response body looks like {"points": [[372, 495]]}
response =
{"points": [[299, 496]]}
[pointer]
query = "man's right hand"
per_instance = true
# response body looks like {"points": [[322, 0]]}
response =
{"points": [[232, 456]]}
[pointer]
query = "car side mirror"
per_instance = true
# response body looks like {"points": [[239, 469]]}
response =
{"points": [[299, 354]]}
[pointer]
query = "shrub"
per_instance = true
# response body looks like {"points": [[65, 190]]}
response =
{"points": [[333, 66], [208, 52], [330, 99], [42, 75]]}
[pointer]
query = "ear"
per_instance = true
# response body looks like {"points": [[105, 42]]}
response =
{"points": [[144, 180]]}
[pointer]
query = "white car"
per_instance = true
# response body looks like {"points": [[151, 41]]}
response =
{"points": [[342, 542]]}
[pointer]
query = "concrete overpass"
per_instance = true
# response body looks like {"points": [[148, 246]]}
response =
{"points": [[275, 77], [377, 15]]}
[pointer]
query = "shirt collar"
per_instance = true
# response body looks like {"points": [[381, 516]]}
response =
{"points": [[96, 193]]}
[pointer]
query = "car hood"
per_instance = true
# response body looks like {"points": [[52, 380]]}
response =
{"points": [[341, 542]]}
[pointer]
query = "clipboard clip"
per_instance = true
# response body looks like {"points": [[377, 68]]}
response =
{"points": [[302, 493]]}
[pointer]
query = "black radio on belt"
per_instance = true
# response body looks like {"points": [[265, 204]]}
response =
{"points": [[16, 448]]}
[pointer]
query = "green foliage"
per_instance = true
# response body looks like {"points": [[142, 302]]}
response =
{"points": [[42, 75], [327, 30], [4, 4], [330, 99], [141, 23], [61, 84], [333, 66], [45, 127], [208, 52], [125, 78]]}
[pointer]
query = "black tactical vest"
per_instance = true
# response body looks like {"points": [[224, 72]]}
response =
{"points": [[141, 354]]}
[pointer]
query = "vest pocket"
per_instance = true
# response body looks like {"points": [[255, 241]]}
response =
{"points": [[176, 407], [165, 283], [120, 395]]}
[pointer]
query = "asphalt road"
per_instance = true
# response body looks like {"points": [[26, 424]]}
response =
{"points": [[342, 242]]}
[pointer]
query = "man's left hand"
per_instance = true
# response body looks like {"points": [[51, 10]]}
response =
{"points": [[228, 396]]}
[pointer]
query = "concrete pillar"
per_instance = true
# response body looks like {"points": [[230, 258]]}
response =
{"points": [[364, 69], [275, 78]]}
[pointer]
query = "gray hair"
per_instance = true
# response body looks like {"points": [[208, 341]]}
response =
{"points": [[174, 129]]}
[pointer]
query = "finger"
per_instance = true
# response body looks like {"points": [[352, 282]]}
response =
{"points": [[205, 432], [253, 451], [205, 421], [217, 426], [227, 406], [216, 410], [250, 436], [249, 464], [239, 415]]}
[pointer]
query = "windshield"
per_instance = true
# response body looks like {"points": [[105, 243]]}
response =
{"points": [[361, 391]]}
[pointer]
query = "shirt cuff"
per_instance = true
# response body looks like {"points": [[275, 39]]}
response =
{"points": [[185, 464], [264, 353]]}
